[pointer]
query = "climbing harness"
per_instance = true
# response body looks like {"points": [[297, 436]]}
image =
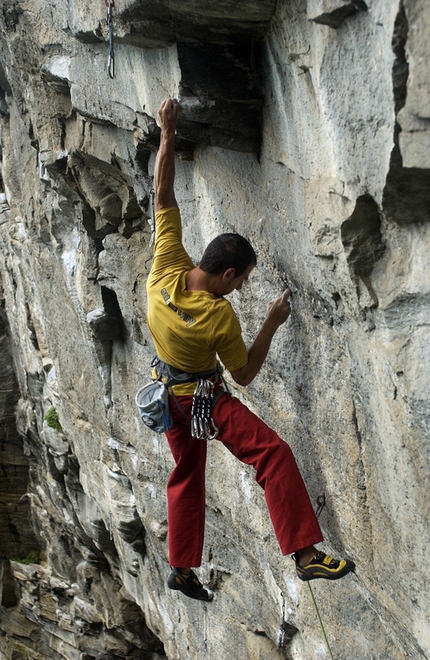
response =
{"points": [[204, 397], [152, 400], [110, 4]]}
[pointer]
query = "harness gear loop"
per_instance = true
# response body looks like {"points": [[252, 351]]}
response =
{"points": [[201, 411], [110, 4]]}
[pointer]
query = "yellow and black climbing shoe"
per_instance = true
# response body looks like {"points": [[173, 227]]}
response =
{"points": [[324, 566], [189, 585]]}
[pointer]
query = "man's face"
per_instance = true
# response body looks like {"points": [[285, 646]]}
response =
{"points": [[236, 282]]}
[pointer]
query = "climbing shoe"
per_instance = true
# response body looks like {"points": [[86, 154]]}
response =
{"points": [[189, 585], [323, 566]]}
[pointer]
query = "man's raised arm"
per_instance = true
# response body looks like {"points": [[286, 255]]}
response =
{"points": [[164, 171]]}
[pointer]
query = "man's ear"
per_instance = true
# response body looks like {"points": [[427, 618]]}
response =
{"points": [[229, 274]]}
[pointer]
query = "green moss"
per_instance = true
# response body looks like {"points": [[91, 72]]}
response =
{"points": [[52, 420], [32, 557]]}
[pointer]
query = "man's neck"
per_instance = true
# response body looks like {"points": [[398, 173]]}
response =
{"points": [[199, 280]]}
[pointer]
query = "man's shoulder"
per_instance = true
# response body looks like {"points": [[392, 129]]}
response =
{"points": [[223, 311], [168, 248], [168, 226]]}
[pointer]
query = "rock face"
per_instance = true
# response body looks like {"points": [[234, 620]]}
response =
{"points": [[305, 127]]}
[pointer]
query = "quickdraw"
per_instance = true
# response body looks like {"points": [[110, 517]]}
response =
{"points": [[110, 4], [152, 239], [320, 504], [201, 411]]}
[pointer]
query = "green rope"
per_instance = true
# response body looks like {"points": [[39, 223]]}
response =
{"points": [[320, 620]]}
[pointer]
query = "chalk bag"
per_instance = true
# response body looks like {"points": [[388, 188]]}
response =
{"points": [[152, 401]]}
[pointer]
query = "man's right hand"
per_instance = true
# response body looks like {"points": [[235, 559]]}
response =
{"points": [[277, 313], [168, 115], [279, 310]]}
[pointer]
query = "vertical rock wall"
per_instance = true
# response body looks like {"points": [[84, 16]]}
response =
{"points": [[304, 126]]}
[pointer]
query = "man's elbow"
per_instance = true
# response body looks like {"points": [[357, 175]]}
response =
{"points": [[242, 377], [165, 201]]}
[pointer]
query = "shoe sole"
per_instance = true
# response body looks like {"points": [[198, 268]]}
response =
{"points": [[323, 573], [177, 585], [194, 596]]}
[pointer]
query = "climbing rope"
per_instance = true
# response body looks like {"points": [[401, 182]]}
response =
{"points": [[287, 631], [110, 4], [320, 506], [320, 621]]}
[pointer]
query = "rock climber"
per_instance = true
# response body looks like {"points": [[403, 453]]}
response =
{"points": [[192, 324]]}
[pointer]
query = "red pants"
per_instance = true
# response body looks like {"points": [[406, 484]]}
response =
{"points": [[253, 443]]}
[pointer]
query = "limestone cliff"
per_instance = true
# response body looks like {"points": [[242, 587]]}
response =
{"points": [[304, 126]]}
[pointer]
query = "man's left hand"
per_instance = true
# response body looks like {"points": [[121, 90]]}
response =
{"points": [[168, 114]]}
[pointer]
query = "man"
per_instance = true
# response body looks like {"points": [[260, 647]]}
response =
{"points": [[192, 323]]}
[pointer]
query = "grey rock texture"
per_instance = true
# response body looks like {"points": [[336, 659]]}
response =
{"points": [[304, 126]]}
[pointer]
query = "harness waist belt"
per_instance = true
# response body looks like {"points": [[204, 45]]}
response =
{"points": [[173, 376]]}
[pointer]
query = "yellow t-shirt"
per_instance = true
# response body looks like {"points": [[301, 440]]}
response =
{"points": [[189, 328]]}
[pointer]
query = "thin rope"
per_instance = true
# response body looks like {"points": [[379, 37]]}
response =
{"points": [[321, 502], [321, 623]]}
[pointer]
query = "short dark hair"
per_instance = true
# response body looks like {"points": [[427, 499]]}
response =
{"points": [[228, 251]]}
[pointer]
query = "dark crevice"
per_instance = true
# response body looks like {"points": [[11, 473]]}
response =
{"points": [[400, 67], [406, 196], [17, 537], [110, 302], [361, 237], [110, 325], [142, 157]]}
